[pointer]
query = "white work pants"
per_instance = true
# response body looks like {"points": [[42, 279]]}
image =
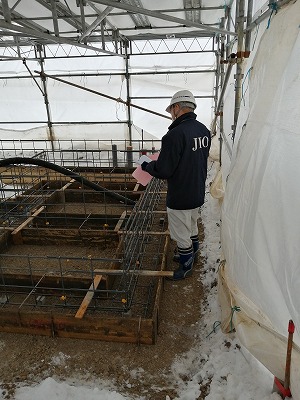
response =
{"points": [[183, 224]]}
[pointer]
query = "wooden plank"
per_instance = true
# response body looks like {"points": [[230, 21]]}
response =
{"points": [[141, 212], [36, 196], [67, 185], [120, 222], [88, 297], [134, 272], [17, 233], [102, 178], [112, 329], [60, 194], [25, 223], [160, 192], [123, 231]]}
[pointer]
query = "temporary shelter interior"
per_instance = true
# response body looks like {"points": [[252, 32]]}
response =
{"points": [[105, 70]]}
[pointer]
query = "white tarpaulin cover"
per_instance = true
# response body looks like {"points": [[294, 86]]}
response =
{"points": [[22, 100], [260, 278]]}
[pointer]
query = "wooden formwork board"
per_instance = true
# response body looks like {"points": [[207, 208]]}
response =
{"points": [[113, 329], [59, 236], [30, 173], [94, 325]]}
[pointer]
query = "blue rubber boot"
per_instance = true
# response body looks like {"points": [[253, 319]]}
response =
{"points": [[176, 257], [185, 264], [195, 243]]}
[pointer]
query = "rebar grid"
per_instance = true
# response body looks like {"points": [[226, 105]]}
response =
{"points": [[77, 206], [25, 278], [32, 187], [136, 235], [97, 161], [36, 270], [108, 148], [16, 188]]}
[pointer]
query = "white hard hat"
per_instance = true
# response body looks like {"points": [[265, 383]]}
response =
{"points": [[182, 95]]}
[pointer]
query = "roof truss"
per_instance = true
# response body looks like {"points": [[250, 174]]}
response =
{"points": [[93, 24]]}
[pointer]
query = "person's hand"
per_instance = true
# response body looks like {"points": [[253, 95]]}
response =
{"points": [[144, 165]]}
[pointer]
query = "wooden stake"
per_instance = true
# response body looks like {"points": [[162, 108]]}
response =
{"points": [[88, 297]]}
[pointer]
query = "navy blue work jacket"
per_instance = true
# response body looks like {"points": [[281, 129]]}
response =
{"points": [[183, 162]]}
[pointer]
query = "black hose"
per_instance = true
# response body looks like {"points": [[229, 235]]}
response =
{"points": [[64, 171]]}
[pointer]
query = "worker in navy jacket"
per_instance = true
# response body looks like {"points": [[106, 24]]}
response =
{"points": [[183, 163]]}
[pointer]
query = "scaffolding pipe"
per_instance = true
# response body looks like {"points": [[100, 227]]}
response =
{"points": [[46, 100], [115, 155], [248, 32], [221, 77], [226, 79], [101, 94], [162, 16], [217, 78], [240, 17], [127, 77], [87, 74], [266, 14], [228, 17], [67, 172]]}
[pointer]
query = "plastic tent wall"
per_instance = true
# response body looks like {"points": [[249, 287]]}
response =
{"points": [[260, 276], [22, 100]]}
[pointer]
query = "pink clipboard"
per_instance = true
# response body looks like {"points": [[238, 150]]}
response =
{"points": [[141, 176]]}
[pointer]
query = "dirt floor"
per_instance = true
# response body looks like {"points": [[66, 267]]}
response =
{"points": [[136, 370]]}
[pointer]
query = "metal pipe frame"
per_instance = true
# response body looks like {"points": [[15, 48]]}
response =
{"points": [[45, 94], [161, 16], [240, 20], [128, 100], [266, 14], [97, 54], [40, 35], [248, 32], [70, 75]]}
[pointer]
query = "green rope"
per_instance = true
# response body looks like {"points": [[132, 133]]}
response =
{"points": [[233, 309], [274, 7], [215, 325], [244, 92]]}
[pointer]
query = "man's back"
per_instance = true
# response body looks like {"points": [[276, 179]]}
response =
{"points": [[188, 142]]}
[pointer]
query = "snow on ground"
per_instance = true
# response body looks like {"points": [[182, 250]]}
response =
{"points": [[216, 360]]}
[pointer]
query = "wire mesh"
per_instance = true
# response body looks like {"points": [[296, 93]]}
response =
{"points": [[69, 232]]}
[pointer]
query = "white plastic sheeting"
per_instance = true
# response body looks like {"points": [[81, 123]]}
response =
{"points": [[260, 212], [162, 75]]}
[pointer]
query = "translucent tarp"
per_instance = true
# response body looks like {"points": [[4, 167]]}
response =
{"points": [[260, 279], [22, 105]]}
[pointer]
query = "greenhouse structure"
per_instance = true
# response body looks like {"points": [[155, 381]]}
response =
{"points": [[84, 88]]}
